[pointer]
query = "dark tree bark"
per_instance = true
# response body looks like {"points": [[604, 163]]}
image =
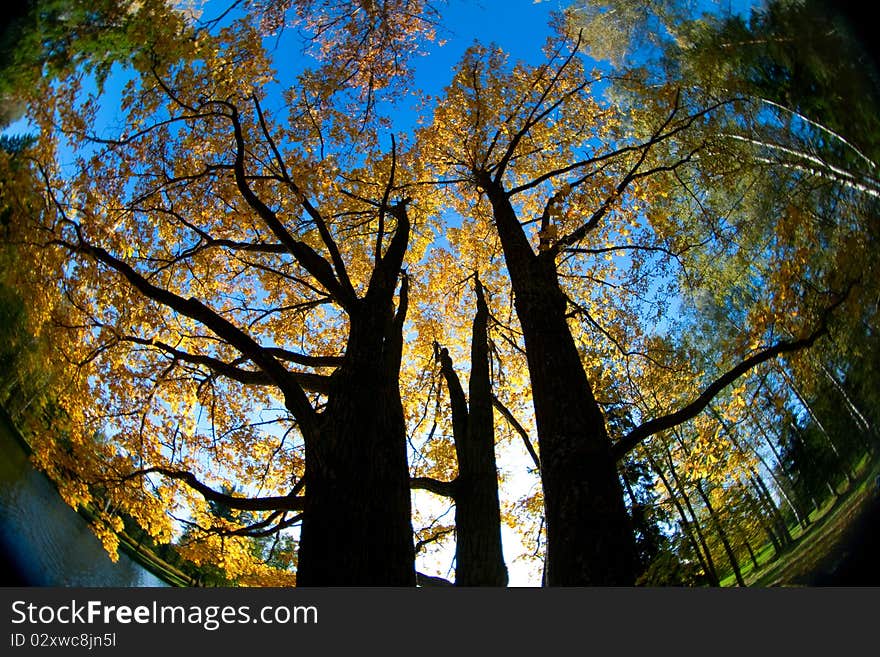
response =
{"points": [[357, 528], [589, 535], [752, 556], [479, 560]]}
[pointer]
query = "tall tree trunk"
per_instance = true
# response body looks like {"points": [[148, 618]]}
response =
{"points": [[479, 560], [763, 493], [713, 516], [590, 540], [357, 527]]}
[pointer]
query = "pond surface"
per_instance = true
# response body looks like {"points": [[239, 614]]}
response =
{"points": [[43, 542]]}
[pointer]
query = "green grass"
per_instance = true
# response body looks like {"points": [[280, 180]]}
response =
{"points": [[812, 547]]}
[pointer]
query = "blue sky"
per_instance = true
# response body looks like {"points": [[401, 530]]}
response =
{"points": [[520, 27]]}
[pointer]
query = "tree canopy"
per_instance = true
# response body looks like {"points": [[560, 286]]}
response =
{"points": [[256, 291]]}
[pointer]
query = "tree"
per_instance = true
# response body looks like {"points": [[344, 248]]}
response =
{"points": [[516, 138], [478, 553], [243, 299], [166, 317]]}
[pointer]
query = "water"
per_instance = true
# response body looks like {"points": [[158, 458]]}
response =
{"points": [[43, 542]]}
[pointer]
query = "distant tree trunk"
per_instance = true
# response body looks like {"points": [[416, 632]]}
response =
{"points": [[813, 466], [690, 528], [690, 507], [761, 517], [863, 424], [844, 466], [787, 491], [752, 556], [479, 560], [764, 497], [590, 540], [722, 534], [763, 494]]}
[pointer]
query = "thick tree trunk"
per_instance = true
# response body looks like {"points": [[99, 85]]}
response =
{"points": [[589, 535], [356, 529], [478, 557]]}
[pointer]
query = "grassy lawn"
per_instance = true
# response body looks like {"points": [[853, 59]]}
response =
{"points": [[815, 550]]}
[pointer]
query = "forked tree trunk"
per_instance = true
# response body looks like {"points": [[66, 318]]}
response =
{"points": [[479, 560], [357, 527]]}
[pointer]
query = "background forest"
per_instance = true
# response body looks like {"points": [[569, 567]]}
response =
{"points": [[293, 300]]}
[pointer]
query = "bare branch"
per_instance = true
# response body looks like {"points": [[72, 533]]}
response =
{"points": [[691, 410], [291, 501], [306, 255], [442, 488], [193, 308], [515, 424]]}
